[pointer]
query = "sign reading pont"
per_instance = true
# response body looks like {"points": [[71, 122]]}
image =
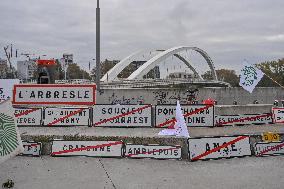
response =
{"points": [[54, 94], [195, 115]]}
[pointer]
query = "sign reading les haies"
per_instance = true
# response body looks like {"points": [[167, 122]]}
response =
{"points": [[39, 94]]}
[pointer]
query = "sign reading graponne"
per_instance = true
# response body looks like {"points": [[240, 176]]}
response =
{"points": [[203, 118], [243, 119], [28, 116], [62, 94], [122, 115], [278, 115], [67, 117], [31, 148], [152, 151], [218, 147], [269, 148], [87, 148], [6, 88]]}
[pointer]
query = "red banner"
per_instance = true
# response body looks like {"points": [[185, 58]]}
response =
{"points": [[46, 62]]}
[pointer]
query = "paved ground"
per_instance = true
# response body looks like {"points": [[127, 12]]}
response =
{"points": [[93, 173]]}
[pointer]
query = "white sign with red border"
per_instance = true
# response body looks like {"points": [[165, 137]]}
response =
{"points": [[31, 148], [243, 119], [152, 151], [278, 115], [122, 115], [6, 88], [87, 148], [195, 115], [269, 148], [67, 117], [52, 94], [28, 116], [218, 147]]}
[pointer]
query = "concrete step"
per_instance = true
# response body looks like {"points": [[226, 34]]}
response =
{"points": [[46, 135]]}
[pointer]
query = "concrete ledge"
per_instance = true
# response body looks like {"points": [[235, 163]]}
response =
{"points": [[46, 135]]}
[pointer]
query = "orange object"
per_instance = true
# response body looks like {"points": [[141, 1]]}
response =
{"points": [[209, 101], [46, 62]]}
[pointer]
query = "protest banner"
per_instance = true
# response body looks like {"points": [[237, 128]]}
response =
{"points": [[122, 115], [218, 147], [68, 116], [52, 94], [198, 115]]}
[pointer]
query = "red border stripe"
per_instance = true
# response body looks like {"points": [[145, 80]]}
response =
{"points": [[219, 148], [121, 115], [86, 148], [67, 116]]}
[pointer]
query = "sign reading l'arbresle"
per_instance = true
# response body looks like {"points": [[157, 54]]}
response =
{"points": [[54, 94]]}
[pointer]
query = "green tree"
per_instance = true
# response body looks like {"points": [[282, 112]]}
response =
{"points": [[275, 70], [225, 75], [75, 72]]}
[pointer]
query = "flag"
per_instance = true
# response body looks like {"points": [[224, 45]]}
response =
{"points": [[10, 141], [250, 76], [180, 128]]}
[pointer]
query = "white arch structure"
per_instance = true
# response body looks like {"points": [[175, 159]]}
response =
{"points": [[150, 64]]}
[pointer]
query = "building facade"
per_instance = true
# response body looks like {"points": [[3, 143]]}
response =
{"points": [[26, 69]]}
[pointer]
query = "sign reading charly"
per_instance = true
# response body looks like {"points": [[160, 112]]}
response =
{"points": [[218, 147], [203, 118], [6, 88], [152, 151], [28, 116], [31, 148], [87, 148], [67, 117], [122, 115], [41, 94], [278, 115], [242, 119], [270, 148]]}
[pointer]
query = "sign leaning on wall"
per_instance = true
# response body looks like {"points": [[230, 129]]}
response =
{"points": [[122, 115], [53, 94], [243, 119], [31, 148], [195, 115], [87, 148], [67, 117], [269, 148], [152, 151], [6, 88], [278, 115], [218, 147], [28, 116]]}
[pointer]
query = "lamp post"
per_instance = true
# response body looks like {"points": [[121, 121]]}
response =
{"points": [[98, 67]]}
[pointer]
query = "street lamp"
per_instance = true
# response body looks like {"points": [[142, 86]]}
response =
{"points": [[98, 70]]}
